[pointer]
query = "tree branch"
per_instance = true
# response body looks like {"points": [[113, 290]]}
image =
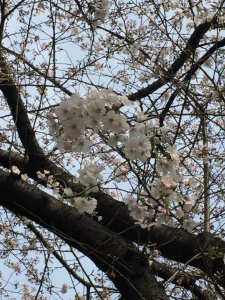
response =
{"points": [[190, 48], [189, 247], [124, 265], [180, 278], [189, 74]]}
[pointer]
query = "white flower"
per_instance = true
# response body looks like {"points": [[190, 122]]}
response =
{"points": [[113, 140], [189, 225], [43, 175], [172, 196], [90, 176], [131, 202], [188, 205], [141, 117], [93, 123], [64, 110], [93, 95], [73, 132], [76, 101], [96, 108], [115, 122], [24, 177], [91, 206], [174, 153], [82, 145], [125, 101], [53, 127], [179, 213], [138, 147], [67, 146], [84, 205], [68, 192], [15, 170], [109, 97], [138, 213], [98, 47]]}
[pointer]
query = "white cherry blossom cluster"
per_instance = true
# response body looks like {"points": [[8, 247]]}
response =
{"points": [[101, 11], [157, 204], [90, 177], [99, 112], [99, 115], [79, 118]]}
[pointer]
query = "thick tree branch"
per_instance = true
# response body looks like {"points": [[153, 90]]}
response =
{"points": [[189, 247], [18, 110], [128, 270]]}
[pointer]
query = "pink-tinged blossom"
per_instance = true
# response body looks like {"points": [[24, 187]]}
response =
{"points": [[50, 73], [75, 30], [136, 211]]}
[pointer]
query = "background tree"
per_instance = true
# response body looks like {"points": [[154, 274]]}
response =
{"points": [[112, 144]]}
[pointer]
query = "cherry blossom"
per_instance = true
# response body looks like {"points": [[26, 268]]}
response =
{"points": [[189, 225]]}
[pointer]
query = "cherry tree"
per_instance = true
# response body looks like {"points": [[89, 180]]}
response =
{"points": [[112, 149]]}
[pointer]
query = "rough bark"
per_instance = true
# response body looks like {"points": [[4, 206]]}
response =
{"points": [[189, 247], [114, 255]]}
